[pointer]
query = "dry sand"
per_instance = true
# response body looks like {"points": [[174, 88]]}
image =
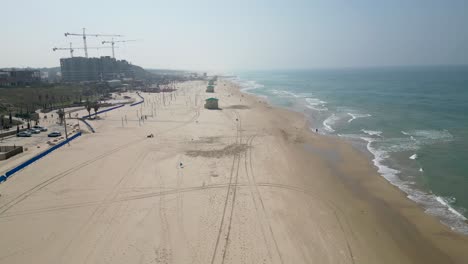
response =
{"points": [[255, 186]]}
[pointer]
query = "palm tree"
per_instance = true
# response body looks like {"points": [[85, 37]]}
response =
{"points": [[96, 108], [88, 108], [61, 115]]}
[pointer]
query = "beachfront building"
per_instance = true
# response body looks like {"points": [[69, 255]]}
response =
{"points": [[210, 89], [19, 77], [211, 103]]}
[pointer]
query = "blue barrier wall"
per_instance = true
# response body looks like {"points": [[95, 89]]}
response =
{"points": [[88, 125], [103, 111], [37, 157], [142, 100]]}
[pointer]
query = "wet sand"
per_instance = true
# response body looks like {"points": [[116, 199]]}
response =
{"points": [[245, 184]]}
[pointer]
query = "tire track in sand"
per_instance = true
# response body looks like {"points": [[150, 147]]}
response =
{"points": [[231, 188], [267, 231], [5, 207]]}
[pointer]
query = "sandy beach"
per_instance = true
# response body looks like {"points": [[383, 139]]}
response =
{"points": [[248, 183]]}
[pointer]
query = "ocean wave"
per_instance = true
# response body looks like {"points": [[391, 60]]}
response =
{"points": [[435, 205], [284, 93], [356, 116], [316, 104], [327, 123], [379, 157], [394, 145], [372, 132], [414, 156], [441, 207], [250, 85], [429, 134]]}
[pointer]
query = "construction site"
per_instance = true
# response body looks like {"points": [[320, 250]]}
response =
{"points": [[96, 69]]}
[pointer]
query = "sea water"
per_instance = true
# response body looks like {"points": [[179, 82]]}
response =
{"points": [[413, 121]]}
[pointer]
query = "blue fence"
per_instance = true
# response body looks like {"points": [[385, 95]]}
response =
{"points": [[103, 111], [142, 100], [88, 125], [37, 157]]}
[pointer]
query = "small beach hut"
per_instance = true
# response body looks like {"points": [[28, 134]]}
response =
{"points": [[211, 103], [210, 89]]}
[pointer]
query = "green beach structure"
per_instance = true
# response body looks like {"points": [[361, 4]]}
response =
{"points": [[210, 89], [211, 103]]}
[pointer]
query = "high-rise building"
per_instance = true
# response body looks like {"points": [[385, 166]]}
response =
{"points": [[80, 69]]}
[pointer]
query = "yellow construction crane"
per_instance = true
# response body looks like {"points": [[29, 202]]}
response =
{"points": [[112, 42], [71, 49], [84, 35]]}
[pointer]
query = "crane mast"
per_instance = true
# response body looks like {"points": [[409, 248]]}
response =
{"points": [[84, 43]]}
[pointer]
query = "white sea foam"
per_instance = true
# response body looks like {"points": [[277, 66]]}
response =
{"points": [[372, 132], [434, 205], [445, 203], [284, 93], [394, 145], [379, 156], [327, 123], [316, 104], [414, 156], [356, 116], [421, 170], [249, 85], [432, 135]]}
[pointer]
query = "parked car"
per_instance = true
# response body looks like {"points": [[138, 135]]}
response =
{"points": [[54, 134], [34, 131], [23, 134], [42, 129]]}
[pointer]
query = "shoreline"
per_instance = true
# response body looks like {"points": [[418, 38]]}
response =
{"points": [[387, 192], [431, 203]]}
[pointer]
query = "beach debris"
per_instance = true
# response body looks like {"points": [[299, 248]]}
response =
{"points": [[150, 135], [237, 106], [229, 150]]}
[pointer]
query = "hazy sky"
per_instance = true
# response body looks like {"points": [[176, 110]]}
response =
{"points": [[239, 35]]}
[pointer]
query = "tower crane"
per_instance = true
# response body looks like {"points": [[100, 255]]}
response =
{"points": [[84, 35], [71, 49], [112, 42]]}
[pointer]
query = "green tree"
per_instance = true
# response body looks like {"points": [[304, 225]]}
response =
{"points": [[61, 115], [88, 107], [96, 107]]}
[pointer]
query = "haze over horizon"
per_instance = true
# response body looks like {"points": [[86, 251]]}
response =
{"points": [[226, 36]]}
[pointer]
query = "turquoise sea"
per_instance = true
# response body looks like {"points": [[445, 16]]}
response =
{"points": [[412, 121]]}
